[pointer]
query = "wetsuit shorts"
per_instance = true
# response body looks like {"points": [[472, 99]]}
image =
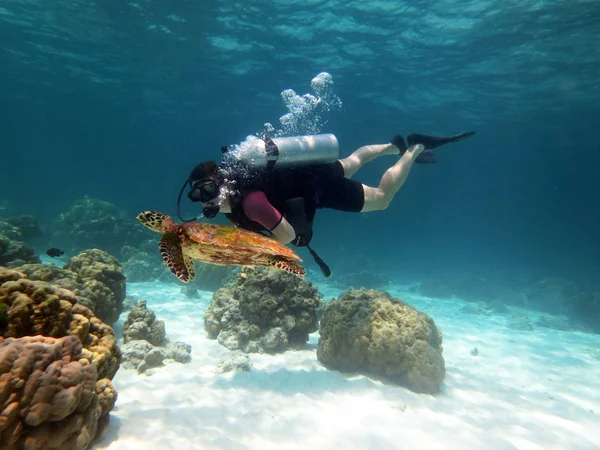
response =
{"points": [[334, 191]]}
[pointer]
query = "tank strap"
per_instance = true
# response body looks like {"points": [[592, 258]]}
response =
{"points": [[272, 152]]}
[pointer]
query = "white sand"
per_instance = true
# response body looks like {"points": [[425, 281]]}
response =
{"points": [[524, 390]]}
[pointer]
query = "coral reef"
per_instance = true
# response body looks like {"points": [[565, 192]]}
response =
{"points": [[15, 253], [34, 308], [10, 231], [210, 277], [554, 322], [235, 362], [563, 297], [362, 279], [141, 324], [190, 290], [142, 355], [467, 286], [140, 266], [436, 288], [51, 396], [520, 323], [27, 227], [93, 223], [265, 310], [93, 275], [56, 363], [551, 295], [477, 308], [372, 332], [145, 343], [556, 296], [129, 303], [102, 275], [585, 309]]}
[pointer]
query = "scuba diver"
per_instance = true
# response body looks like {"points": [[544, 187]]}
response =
{"points": [[277, 188]]}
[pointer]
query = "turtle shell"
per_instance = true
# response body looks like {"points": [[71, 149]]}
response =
{"points": [[226, 245]]}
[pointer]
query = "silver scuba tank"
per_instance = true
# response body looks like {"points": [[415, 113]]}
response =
{"points": [[285, 151]]}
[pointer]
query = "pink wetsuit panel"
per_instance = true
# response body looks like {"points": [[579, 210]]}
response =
{"points": [[258, 209]]}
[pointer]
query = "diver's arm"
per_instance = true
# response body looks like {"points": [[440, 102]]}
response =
{"points": [[284, 232], [258, 209]]}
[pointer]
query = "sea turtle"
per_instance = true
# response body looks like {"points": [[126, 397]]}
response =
{"points": [[216, 244]]}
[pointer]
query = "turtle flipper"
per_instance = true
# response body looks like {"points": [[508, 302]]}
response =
{"points": [[173, 257], [284, 264], [189, 264]]}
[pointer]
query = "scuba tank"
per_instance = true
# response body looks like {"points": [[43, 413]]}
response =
{"points": [[284, 152]]}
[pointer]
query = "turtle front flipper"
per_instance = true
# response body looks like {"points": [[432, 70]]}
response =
{"points": [[189, 264], [284, 264], [173, 257]]}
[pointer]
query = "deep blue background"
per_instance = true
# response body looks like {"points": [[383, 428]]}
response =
{"points": [[521, 195]]}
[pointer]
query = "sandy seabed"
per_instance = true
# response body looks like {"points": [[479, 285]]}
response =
{"points": [[526, 390]]}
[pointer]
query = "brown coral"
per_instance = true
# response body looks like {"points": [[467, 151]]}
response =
{"points": [[263, 310], [38, 308], [102, 275], [141, 324], [94, 275], [14, 252], [370, 331], [50, 396]]}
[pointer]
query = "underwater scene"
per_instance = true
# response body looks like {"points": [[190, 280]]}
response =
{"points": [[282, 224]]}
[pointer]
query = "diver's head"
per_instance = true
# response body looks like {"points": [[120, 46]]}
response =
{"points": [[205, 187], [205, 183]]}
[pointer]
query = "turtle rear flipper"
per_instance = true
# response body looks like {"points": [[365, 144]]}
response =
{"points": [[284, 264], [174, 259]]}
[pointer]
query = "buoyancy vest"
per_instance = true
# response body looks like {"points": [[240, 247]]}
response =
{"points": [[280, 187]]}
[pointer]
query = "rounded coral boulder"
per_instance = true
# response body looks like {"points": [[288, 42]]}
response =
{"points": [[49, 395], [372, 332]]}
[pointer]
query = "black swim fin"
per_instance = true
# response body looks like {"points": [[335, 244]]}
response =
{"points": [[430, 142], [426, 157], [398, 141]]}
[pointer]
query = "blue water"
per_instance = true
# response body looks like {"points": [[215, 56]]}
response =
{"points": [[119, 100]]}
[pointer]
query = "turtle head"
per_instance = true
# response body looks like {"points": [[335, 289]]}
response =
{"points": [[156, 221]]}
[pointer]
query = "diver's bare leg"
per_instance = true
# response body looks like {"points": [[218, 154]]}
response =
{"points": [[380, 197], [366, 154]]}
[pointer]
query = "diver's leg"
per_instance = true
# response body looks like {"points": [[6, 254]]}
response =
{"points": [[380, 197], [366, 154]]}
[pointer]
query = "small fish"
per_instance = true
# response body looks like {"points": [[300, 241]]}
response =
{"points": [[55, 252]]}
